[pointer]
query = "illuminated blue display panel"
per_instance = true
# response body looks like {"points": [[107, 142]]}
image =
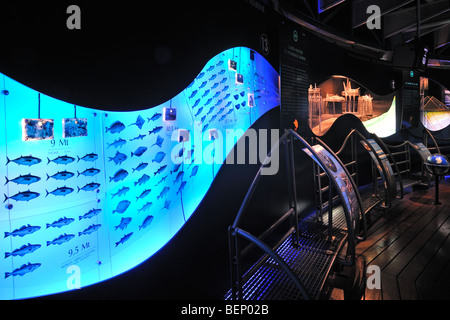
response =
{"points": [[90, 194]]}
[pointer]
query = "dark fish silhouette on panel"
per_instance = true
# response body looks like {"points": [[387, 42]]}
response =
{"points": [[89, 172], [208, 101], [155, 117], [89, 187], [196, 103], [163, 193], [23, 250], [60, 222], [161, 181], [116, 127], [122, 206], [201, 74], [181, 188], [63, 175], [119, 175], [61, 239], [121, 192], [141, 166], [89, 157], [179, 177], [204, 83], [23, 231], [25, 161], [166, 205], [199, 111], [215, 85], [193, 94], [161, 169], [25, 179], [117, 143], [147, 221], [210, 68], [62, 160], [145, 207], [175, 168], [159, 141], [139, 122], [124, 238], [194, 171], [23, 196], [139, 152], [124, 222], [62, 191], [118, 158], [206, 93], [139, 137], [142, 180], [155, 130], [90, 229], [90, 214], [144, 193], [159, 157], [24, 269]]}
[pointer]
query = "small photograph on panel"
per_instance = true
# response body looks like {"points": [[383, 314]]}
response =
{"points": [[74, 127], [37, 129], [232, 65], [170, 114]]}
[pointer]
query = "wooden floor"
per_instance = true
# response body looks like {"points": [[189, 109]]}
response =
{"points": [[410, 243]]}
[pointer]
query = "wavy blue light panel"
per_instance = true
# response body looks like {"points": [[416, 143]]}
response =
{"points": [[80, 210]]}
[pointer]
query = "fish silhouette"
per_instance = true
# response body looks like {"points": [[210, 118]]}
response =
{"points": [[203, 118], [89, 187], [210, 68], [166, 205], [221, 72], [210, 111], [203, 84], [121, 192], [226, 96], [196, 103], [215, 85], [161, 181], [175, 168], [179, 177], [139, 137], [60, 223], [159, 157], [122, 206], [181, 188], [227, 105], [63, 191], [216, 95], [142, 180], [206, 93], [117, 143], [141, 166], [23, 196], [161, 169], [223, 117], [124, 222], [90, 214], [155, 117], [118, 158], [225, 88], [205, 127], [219, 63], [24, 269], [63, 175], [139, 152], [62, 160], [159, 141], [119, 175], [145, 207], [61, 239], [213, 118], [89, 157], [116, 127], [25, 179], [193, 94], [23, 250], [25, 161], [208, 101], [124, 238], [155, 130], [223, 80], [147, 221], [194, 171], [23, 231], [201, 74], [199, 111], [163, 193], [139, 122], [90, 229], [89, 172], [212, 77], [144, 194], [218, 103]]}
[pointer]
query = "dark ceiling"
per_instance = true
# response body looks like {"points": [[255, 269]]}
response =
{"points": [[398, 19]]}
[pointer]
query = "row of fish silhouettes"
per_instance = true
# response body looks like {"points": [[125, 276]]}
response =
{"points": [[118, 126], [64, 160]]}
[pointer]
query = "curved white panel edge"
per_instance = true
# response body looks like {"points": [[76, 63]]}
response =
{"points": [[90, 197]]}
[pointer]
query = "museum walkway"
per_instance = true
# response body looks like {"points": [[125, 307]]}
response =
{"points": [[410, 243]]}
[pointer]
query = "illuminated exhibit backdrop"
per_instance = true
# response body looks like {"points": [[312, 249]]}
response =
{"points": [[339, 95], [90, 194]]}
